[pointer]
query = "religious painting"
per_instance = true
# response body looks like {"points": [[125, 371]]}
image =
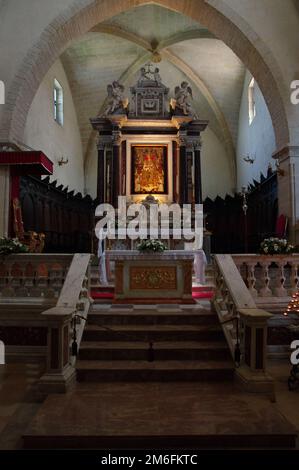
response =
{"points": [[149, 169]]}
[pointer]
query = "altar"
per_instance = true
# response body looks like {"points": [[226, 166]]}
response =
{"points": [[153, 277], [149, 154]]}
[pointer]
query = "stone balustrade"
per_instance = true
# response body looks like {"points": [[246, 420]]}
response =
{"points": [[33, 276], [244, 325], [74, 299], [271, 279], [39, 296]]}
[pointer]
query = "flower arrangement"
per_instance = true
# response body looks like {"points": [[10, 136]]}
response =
{"points": [[155, 246], [276, 246], [11, 245]]}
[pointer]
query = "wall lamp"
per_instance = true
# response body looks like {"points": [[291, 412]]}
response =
{"points": [[249, 159], [63, 161]]}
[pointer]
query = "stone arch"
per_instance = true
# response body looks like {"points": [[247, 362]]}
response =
{"points": [[85, 14]]}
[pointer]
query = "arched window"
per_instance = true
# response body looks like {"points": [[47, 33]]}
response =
{"points": [[251, 101], [58, 102]]}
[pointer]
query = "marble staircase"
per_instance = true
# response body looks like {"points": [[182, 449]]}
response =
{"points": [[187, 345]]}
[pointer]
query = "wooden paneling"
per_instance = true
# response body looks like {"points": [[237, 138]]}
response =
{"points": [[66, 219], [225, 217]]}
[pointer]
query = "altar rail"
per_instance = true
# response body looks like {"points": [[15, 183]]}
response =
{"points": [[271, 280], [244, 325]]}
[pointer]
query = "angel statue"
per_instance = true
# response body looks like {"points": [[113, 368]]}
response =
{"points": [[183, 94], [143, 76], [115, 99]]}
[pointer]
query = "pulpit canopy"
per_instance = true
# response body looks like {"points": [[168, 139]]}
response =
{"points": [[27, 162]]}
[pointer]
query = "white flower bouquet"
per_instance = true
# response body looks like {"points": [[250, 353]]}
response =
{"points": [[11, 245], [150, 245], [276, 246]]}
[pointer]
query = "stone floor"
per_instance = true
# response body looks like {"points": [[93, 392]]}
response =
{"points": [[19, 401], [126, 410]]}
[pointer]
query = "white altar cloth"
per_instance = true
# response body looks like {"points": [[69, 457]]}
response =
{"points": [[200, 262]]}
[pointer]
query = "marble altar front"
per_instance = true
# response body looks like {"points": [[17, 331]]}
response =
{"points": [[152, 277]]}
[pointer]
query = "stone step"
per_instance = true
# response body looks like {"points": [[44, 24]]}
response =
{"points": [[164, 350], [95, 285], [144, 317], [153, 333], [103, 301], [157, 371]]}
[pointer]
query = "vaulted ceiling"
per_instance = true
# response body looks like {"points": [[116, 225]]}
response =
{"points": [[115, 50]]}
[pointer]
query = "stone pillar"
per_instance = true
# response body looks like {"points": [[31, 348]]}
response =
{"points": [[101, 173], [60, 375], [252, 374], [288, 188]]}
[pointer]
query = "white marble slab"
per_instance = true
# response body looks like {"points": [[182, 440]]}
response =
{"points": [[133, 255]]}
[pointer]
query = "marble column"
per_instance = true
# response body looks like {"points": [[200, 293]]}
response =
{"points": [[101, 173], [116, 142], [197, 174], [175, 181], [287, 160], [183, 171]]}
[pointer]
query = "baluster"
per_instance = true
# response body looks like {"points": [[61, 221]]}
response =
{"points": [[41, 277], [56, 278], [35, 290], [20, 276], [50, 292], [294, 278], [8, 289], [16, 275], [16, 279], [29, 278], [265, 291], [251, 279], [280, 290], [3, 276]]}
